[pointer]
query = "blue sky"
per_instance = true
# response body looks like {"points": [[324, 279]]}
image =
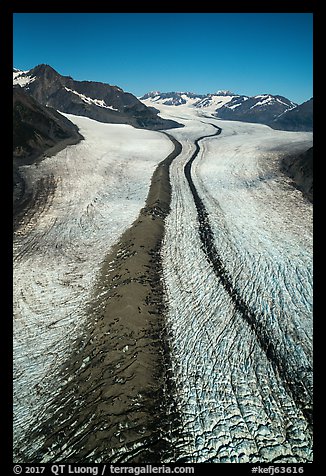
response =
{"points": [[248, 53]]}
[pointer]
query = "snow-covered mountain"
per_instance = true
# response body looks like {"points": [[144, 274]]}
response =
{"points": [[262, 108], [99, 101], [300, 118], [172, 98], [210, 102], [213, 102], [273, 110]]}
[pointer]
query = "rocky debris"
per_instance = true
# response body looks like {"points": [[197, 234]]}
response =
{"points": [[300, 169], [117, 400]]}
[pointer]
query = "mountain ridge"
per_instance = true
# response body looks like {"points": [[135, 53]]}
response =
{"points": [[99, 101], [275, 111], [37, 130], [299, 118]]}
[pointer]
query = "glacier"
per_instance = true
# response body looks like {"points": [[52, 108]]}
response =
{"points": [[238, 309], [241, 399]]}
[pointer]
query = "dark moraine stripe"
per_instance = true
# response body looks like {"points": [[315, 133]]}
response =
{"points": [[116, 399], [292, 376]]}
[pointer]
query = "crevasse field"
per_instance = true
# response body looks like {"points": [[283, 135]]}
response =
{"points": [[242, 373], [233, 400]]}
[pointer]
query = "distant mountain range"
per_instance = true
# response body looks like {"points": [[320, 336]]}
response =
{"points": [[99, 101], [107, 103], [40, 93], [210, 102], [276, 111]]}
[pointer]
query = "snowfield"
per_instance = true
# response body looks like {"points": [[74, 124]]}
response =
{"points": [[88, 100], [99, 187]]}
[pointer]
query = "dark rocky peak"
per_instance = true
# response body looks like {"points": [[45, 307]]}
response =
{"points": [[151, 94], [99, 101], [298, 118], [262, 108], [44, 71], [36, 127]]}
